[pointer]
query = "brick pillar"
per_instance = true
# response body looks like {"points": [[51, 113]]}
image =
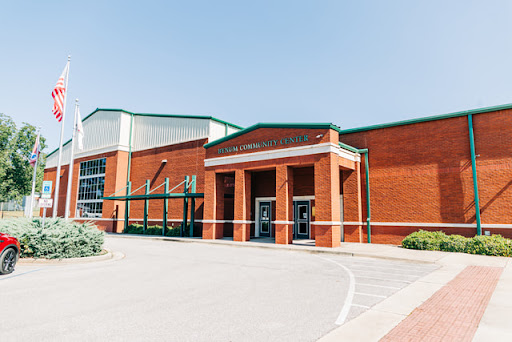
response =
{"points": [[284, 205], [213, 205], [241, 223], [327, 202]]}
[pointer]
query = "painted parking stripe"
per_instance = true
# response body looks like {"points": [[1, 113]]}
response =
{"points": [[390, 270], [350, 294], [360, 306], [386, 279], [401, 275], [383, 286], [426, 268], [369, 294]]}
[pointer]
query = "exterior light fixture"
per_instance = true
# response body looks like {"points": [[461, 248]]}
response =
{"points": [[319, 136], [164, 161]]}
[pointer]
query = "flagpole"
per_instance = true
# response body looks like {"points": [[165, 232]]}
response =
{"points": [[57, 176], [71, 159], [31, 214]]}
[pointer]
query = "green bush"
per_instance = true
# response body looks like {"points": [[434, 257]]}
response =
{"points": [[490, 245], [430, 241], [152, 230], [438, 241], [454, 243], [57, 240]]}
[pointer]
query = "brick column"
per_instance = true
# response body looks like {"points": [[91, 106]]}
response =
{"points": [[284, 205], [241, 223], [327, 202], [213, 205]]}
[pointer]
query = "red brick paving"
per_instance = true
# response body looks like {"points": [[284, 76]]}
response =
{"points": [[452, 313]]}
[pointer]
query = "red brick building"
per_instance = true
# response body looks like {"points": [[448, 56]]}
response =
{"points": [[295, 181]]}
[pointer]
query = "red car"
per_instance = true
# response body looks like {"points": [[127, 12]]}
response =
{"points": [[9, 253]]}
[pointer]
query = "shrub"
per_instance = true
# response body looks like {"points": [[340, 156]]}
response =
{"points": [[430, 241], [490, 245], [57, 240], [438, 241], [454, 243], [152, 230]]}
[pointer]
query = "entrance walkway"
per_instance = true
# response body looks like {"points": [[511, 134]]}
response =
{"points": [[452, 313]]}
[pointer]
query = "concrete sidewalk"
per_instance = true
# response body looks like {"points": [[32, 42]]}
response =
{"points": [[388, 314]]}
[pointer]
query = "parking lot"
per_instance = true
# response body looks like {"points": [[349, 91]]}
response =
{"points": [[173, 291]]}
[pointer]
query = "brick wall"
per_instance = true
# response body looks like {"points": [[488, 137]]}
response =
{"points": [[184, 159], [421, 173]]}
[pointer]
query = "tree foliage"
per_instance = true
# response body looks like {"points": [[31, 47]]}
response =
{"points": [[15, 149]]}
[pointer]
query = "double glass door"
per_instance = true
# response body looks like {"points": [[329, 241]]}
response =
{"points": [[301, 219]]}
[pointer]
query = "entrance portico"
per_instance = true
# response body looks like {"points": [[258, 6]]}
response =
{"points": [[286, 183]]}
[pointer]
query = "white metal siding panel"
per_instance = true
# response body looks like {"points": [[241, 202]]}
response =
{"points": [[124, 138], [101, 131], [155, 131], [217, 130], [53, 160], [232, 130]]}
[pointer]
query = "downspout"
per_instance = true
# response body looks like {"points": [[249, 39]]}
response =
{"points": [[128, 188], [475, 181], [368, 209]]}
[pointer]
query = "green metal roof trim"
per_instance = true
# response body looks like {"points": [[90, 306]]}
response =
{"points": [[150, 114], [273, 125], [428, 118], [185, 116], [348, 147]]}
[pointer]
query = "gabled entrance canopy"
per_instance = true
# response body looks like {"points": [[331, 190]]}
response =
{"points": [[282, 148]]}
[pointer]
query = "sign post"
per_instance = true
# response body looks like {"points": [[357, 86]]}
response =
{"points": [[46, 200]]}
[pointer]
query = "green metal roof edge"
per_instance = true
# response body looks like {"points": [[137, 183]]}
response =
{"points": [[427, 118], [191, 117], [272, 125], [348, 147], [150, 114]]}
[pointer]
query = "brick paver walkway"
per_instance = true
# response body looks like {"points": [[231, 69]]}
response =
{"points": [[452, 313]]}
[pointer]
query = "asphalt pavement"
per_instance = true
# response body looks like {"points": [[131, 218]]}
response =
{"points": [[172, 291]]}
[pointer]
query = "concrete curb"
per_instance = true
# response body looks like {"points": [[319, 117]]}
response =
{"points": [[294, 248], [33, 261]]}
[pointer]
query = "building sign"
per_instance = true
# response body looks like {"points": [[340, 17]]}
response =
{"points": [[263, 144]]}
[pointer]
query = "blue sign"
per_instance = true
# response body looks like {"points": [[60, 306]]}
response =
{"points": [[47, 189]]}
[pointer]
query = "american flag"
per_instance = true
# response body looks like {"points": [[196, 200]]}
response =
{"points": [[58, 94]]}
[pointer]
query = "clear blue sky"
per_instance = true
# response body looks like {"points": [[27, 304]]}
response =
{"points": [[353, 63]]}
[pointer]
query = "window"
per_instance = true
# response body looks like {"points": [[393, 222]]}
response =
{"points": [[91, 184]]}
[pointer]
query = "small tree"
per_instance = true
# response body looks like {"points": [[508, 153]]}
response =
{"points": [[15, 170]]}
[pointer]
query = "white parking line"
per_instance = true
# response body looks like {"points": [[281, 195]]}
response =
{"points": [[369, 294], [360, 306], [390, 270], [386, 287], [350, 294], [425, 269], [399, 275], [384, 279]]}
